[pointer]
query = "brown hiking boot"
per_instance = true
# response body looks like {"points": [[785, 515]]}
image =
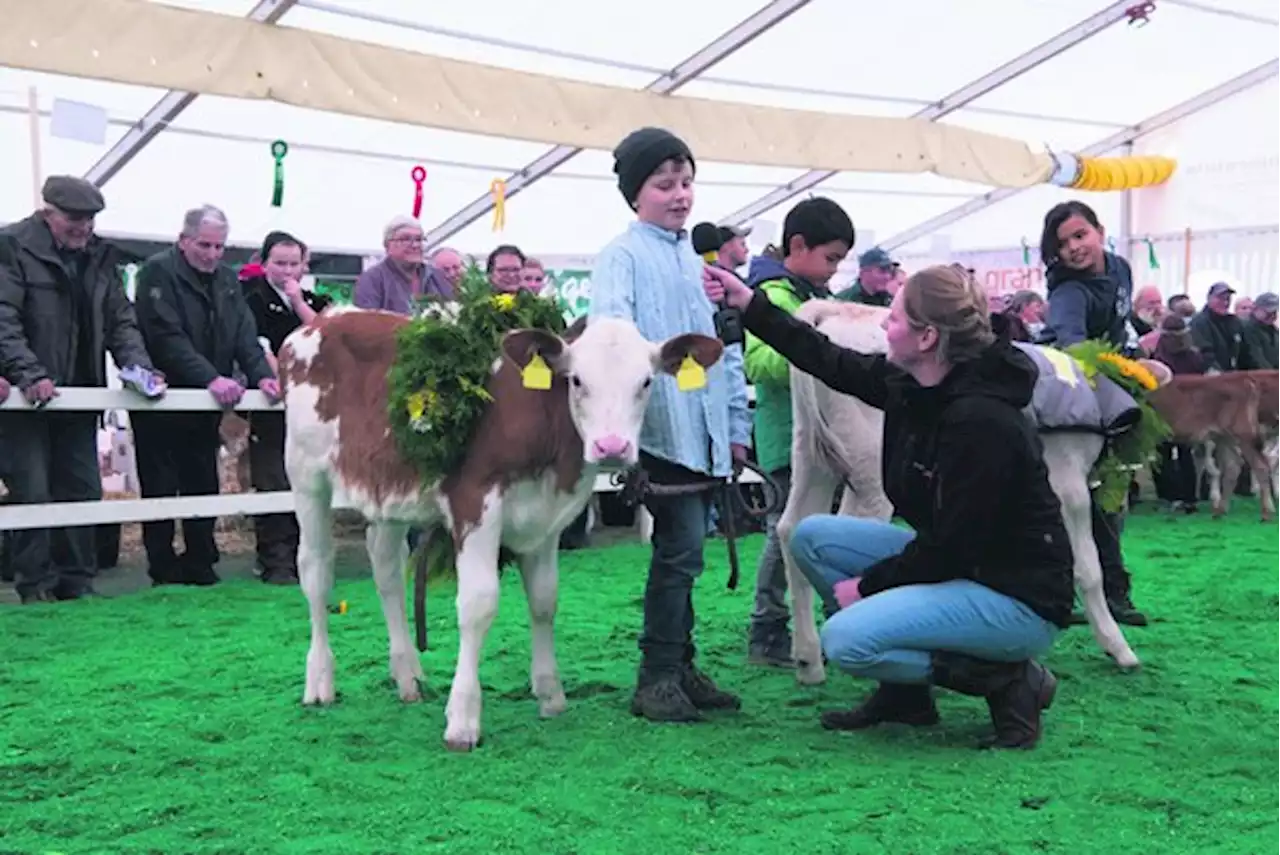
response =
{"points": [[704, 694], [661, 698], [1016, 694], [890, 703]]}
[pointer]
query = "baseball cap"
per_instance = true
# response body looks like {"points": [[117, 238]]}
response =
{"points": [[876, 257], [1267, 302], [728, 233], [1217, 289]]}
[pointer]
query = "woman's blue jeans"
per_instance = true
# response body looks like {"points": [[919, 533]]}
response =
{"points": [[890, 636]]}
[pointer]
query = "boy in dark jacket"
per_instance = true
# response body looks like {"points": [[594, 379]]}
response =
{"points": [[1091, 297], [1176, 478]]}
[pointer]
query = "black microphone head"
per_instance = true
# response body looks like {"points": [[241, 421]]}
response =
{"points": [[705, 238]]}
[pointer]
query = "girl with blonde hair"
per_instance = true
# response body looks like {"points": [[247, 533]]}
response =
{"points": [[981, 583]]}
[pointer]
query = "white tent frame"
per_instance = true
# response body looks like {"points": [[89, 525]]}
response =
{"points": [[271, 11], [966, 94], [165, 110]]}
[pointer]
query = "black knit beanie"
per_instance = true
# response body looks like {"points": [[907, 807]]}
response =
{"points": [[639, 156]]}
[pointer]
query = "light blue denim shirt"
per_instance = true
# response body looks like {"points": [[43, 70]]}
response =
{"points": [[653, 278]]}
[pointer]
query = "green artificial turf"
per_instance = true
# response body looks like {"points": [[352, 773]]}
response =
{"points": [[169, 722]]}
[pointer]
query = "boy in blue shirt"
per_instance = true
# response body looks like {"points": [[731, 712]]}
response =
{"points": [[651, 276]]}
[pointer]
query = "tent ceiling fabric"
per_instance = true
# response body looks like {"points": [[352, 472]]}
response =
{"points": [[143, 43], [346, 175]]}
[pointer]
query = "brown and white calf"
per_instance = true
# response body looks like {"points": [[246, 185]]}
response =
{"points": [[529, 471], [838, 439], [1234, 414]]}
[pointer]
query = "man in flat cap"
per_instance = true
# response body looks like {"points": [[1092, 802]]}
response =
{"points": [[62, 307]]}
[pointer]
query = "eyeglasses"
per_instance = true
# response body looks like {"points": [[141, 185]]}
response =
{"points": [[409, 241]]}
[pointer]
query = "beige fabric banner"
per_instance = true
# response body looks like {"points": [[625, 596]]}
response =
{"points": [[148, 44]]}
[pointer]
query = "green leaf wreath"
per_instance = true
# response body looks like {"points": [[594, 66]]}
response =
{"points": [[1136, 446], [436, 388]]}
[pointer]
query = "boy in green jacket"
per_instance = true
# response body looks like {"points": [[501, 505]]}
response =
{"points": [[816, 236]]}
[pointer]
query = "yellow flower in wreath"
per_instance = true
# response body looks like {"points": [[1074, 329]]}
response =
{"points": [[1131, 369], [505, 302]]}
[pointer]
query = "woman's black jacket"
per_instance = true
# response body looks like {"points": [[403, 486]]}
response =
{"points": [[962, 464]]}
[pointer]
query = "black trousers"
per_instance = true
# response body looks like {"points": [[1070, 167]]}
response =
{"points": [[1107, 528], [679, 532], [1176, 478], [51, 457], [177, 456], [276, 534]]}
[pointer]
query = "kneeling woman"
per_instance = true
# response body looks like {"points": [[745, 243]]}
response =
{"points": [[983, 584]]}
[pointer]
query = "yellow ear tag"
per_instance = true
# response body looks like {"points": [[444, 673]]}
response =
{"points": [[691, 375], [537, 374], [417, 405]]}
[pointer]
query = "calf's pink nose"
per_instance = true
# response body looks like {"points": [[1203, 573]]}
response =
{"points": [[610, 446]]}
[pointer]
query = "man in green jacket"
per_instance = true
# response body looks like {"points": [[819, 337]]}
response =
{"points": [[877, 272], [816, 236], [1258, 340]]}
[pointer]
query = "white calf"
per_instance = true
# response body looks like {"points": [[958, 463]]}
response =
{"points": [[838, 439]]}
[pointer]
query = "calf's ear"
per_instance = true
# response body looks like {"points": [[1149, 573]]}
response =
{"points": [[1158, 370], [520, 346], [704, 349]]}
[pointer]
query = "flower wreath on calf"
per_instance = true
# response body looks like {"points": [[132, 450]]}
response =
{"points": [[436, 389], [1136, 446]]}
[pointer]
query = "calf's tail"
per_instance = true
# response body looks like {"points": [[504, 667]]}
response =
{"points": [[434, 552], [420, 596]]}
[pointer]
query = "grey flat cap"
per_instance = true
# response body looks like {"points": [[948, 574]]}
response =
{"points": [[73, 195]]}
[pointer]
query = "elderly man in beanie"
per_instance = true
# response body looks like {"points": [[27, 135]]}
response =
{"points": [[651, 276], [62, 307]]}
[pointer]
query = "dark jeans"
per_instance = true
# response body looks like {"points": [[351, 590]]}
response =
{"points": [[1107, 529], [679, 531], [276, 534], [771, 613], [178, 456], [1176, 477], [51, 457]]}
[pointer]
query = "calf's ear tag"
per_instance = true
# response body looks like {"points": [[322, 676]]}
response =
{"points": [[537, 374], [690, 375]]}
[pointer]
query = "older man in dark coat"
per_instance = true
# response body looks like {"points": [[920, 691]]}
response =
{"points": [[200, 331], [62, 307]]}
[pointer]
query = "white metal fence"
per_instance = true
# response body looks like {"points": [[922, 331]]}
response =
{"points": [[15, 517]]}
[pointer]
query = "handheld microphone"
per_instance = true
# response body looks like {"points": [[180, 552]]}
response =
{"points": [[706, 240]]}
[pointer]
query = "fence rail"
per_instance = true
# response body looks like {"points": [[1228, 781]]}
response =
{"points": [[16, 517]]}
